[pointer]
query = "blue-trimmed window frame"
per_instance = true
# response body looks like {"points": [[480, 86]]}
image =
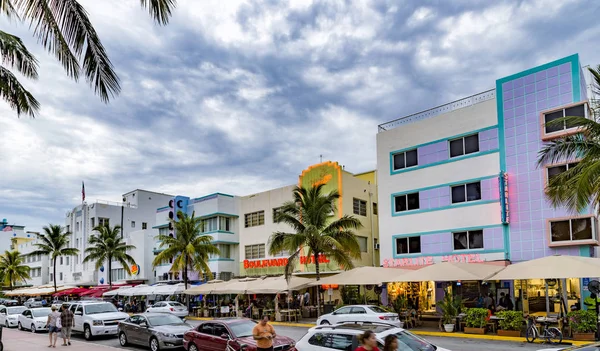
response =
{"points": [[394, 196], [393, 163], [464, 145], [407, 237], [466, 191], [468, 240]]}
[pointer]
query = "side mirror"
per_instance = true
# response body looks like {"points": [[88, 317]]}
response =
{"points": [[334, 313], [225, 336], [144, 325], [78, 313]]}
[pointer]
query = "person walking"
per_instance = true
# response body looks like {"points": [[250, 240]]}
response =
{"points": [[67, 322], [368, 341], [391, 343], [264, 333], [52, 326]]}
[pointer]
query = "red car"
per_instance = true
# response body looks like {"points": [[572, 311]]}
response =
{"points": [[215, 335]]}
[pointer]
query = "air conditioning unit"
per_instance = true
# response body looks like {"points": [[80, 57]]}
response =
{"points": [[376, 246]]}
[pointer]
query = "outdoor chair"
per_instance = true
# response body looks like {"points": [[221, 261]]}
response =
{"points": [[255, 313]]}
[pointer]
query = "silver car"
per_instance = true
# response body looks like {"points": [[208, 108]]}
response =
{"points": [[157, 330]]}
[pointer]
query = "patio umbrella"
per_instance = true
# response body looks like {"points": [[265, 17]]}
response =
{"points": [[207, 288], [363, 276], [274, 285], [239, 286], [118, 291], [168, 289], [551, 267], [138, 290], [450, 271]]}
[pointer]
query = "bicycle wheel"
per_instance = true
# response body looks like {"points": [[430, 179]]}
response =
{"points": [[554, 335], [530, 335]]}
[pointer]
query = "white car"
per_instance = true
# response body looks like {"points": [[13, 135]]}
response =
{"points": [[589, 347], [93, 318], [172, 307], [9, 316], [359, 313], [345, 337], [34, 319]]}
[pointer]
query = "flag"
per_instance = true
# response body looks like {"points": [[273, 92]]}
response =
{"points": [[82, 192]]}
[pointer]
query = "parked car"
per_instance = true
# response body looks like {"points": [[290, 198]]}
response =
{"points": [[57, 303], [93, 318], [589, 347], [157, 330], [172, 307], [362, 313], [345, 337], [9, 315], [33, 303], [34, 319], [214, 335], [10, 303]]}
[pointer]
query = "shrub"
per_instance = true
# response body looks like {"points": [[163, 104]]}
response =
{"points": [[511, 320], [476, 317], [448, 307], [582, 321]]}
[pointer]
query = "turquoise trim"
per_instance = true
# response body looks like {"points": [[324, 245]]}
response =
{"points": [[576, 79], [459, 205], [221, 259], [224, 242], [209, 195], [568, 59], [457, 252], [450, 160], [392, 171], [162, 208], [166, 225], [453, 230], [444, 185], [215, 214], [218, 232]]}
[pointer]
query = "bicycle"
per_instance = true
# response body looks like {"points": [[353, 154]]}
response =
{"points": [[551, 334]]}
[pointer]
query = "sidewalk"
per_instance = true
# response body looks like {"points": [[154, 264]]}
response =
{"points": [[14, 340]]}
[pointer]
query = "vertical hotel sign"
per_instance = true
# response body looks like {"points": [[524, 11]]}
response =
{"points": [[503, 181]]}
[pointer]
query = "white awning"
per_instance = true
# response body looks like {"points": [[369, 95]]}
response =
{"points": [[168, 289]]}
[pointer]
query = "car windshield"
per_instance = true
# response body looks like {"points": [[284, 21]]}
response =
{"points": [[242, 329], [377, 309], [41, 312], [408, 341], [16, 310], [100, 308], [176, 304], [166, 319]]}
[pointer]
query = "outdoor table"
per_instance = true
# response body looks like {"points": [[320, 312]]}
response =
{"points": [[287, 314]]}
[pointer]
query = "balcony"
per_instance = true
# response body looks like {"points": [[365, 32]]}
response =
{"points": [[432, 112]]}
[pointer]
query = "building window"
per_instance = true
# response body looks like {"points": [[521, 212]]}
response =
{"points": [[225, 250], [408, 245], [406, 202], [144, 225], [473, 239], [553, 171], [60, 277], [68, 228], [132, 224], [405, 159], [210, 224], [464, 146], [466, 192], [103, 221], [571, 230], [61, 260], [254, 219], [77, 242], [255, 251], [76, 226], [93, 220], [359, 207], [51, 277], [578, 110], [225, 224], [375, 209], [282, 253], [363, 243], [67, 260], [117, 274], [276, 212]]}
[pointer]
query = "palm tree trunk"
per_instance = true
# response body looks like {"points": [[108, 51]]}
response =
{"points": [[54, 275], [316, 254], [185, 281]]}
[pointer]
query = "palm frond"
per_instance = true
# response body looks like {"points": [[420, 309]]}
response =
{"points": [[160, 10], [7, 8], [15, 54], [18, 98]]}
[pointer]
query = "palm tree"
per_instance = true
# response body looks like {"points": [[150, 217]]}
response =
{"points": [[310, 216], [12, 268], [578, 187], [54, 243], [108, 246], [66, 32], [188, 248]]}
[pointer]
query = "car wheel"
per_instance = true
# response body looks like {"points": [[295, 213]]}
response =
{"points": [[123, 339], [325, 322], [154, 344], [87, 333], [19, 326], [192, 347], [33, 328]]}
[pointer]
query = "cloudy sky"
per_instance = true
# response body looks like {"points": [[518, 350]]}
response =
{"points": [[240, 96]]}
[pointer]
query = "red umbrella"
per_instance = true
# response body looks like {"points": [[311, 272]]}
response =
{"points": [[74, 291]]}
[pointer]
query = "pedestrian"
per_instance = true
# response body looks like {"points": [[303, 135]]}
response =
{"points": [[368, 341], [67, 322], [391, 343], [264, 333], [52, 327]]}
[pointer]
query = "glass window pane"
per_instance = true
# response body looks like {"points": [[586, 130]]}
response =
{"points": [[456, 147], [560, 231], [414, 244], [582, 229], [411, 158], [476, 239], [458, 194], [551, 117], [399, 161], [362, 243], [578, 111], [474, 191], [460, 241], [413, 201], [556, 170], [400, 202], [401, 246], [471, 144]]}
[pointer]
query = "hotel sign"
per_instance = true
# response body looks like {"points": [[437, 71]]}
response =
{"points": [[503, 180], [428, 260], [281, 262]]}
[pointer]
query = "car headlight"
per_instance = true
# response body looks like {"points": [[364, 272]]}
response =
{"points": [[167, 335], [12, 318], [97, 322]]}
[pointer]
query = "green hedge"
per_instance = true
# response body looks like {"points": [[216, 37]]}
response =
{"points": [[582, 321], [476, 317], [511, 320]]}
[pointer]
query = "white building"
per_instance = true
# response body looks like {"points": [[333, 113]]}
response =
{"points": [[39, 265], [11, 235]]}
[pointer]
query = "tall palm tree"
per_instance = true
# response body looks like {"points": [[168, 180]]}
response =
{"points": [[578, 187], [66, 32], [188, 248], [54, 243], [108, 246], [310, 216], [13, 268]]}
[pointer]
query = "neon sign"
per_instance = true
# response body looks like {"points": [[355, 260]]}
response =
{"points": [[281, 262], [503, 179], [428, 260]]}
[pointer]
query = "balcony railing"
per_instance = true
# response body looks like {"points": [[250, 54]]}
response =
{"points": [[455, 105]]}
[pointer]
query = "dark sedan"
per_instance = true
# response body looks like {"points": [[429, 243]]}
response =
{"points": [[214, 335], [157, 330]]}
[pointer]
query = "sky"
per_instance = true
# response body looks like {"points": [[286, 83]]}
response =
{"points": [[240, 96]]}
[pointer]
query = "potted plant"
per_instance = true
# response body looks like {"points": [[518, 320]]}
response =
{"points": [[399, 306], [475, 320], [583, 325], [511, 323], [449, 309]]}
